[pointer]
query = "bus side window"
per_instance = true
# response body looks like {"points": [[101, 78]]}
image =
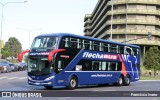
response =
{"points": [[113, 66], [113, 48], [128, 51], [96, 46], [79, 44], [138, 51], [108, 66], [60, 65], [96, 66], [105, 47], [104, 67], [86, 44], [65, 42], [73, 42], [135, 51], [86, 66], [121, 49], [119, 66]]}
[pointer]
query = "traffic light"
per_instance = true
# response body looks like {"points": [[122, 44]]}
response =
{"points": [[149, 36]]}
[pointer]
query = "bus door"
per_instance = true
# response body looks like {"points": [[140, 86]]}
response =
{"points": [[60, 63], [131, 62]]}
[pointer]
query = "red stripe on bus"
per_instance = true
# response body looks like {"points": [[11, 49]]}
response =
{"points": [[20, 55], [123, 71], [50, 55]]}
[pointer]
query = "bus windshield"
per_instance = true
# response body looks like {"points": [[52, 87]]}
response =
{"points": [[43, 42], [39, 66]]}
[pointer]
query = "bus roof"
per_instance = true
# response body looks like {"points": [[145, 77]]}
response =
{"points": [[86, 37]]}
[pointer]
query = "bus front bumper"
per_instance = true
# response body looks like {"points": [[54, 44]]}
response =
{"points": [[46, 82], [39, 83]]}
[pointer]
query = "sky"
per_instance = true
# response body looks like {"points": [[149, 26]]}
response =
{"points": [[43, 16]]}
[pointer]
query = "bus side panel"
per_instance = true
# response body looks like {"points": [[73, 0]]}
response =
{"points": [[87, 78], [132, 66]]}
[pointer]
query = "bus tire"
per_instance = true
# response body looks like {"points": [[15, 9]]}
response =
{"points": [[48, 87], [120, 81], [127, 80], [73, 83]]}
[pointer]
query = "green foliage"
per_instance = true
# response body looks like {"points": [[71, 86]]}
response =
{"points": [[152, 59], [5, 53], [13, 46]]}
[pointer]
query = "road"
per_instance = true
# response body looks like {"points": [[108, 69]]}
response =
{"points": [[17, 81]]}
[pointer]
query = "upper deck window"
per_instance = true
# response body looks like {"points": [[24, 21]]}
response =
{"points": [[45, 42]]}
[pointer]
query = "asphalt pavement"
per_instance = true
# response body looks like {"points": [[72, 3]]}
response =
{"points": [[16, 82]]}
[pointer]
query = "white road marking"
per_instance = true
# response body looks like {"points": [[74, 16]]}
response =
{"points": [[22, 78], [28, 85], [64, 98], [2, 77], [12, 78]]}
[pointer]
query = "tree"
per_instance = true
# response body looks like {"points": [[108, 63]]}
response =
{"points": [[5, 53], [13, 46], [152, 59]]}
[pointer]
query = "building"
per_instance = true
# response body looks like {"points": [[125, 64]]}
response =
{"points": [[2, 43], [124, 20]]}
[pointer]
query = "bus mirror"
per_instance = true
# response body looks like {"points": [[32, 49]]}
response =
{"points": [[20, 55]]}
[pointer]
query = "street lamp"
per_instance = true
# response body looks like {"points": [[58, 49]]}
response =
{"points": [[29, 31], [3, 4]]}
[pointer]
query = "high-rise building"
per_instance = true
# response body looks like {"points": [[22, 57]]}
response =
{"points": [[124, 20]]}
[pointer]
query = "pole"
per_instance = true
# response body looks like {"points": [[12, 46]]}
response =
{"points": [[1, 31], [29, 34], [111, 20], [126, 21], [3, 4]]}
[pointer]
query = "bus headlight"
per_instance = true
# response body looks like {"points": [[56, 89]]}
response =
{"points": [[29, 78], [49, 78]]}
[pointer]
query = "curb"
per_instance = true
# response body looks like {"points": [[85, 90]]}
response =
{"points": [[149, 80]]}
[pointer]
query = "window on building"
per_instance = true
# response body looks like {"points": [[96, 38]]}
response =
{"points": [[140, 27], [149, 17], [141, 6], [151, 7], [140, 16], [150, 27], [132, 6], [131, 27], [131, 16]]}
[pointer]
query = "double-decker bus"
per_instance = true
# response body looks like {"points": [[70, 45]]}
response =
{"points": [[63, 59]]}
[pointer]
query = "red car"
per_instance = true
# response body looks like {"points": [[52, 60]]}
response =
{"points": [[5, 68]]}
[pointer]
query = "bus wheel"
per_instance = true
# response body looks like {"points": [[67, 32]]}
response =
{"points": [[127, 80], [73, 83], [120, 81], [48, 87]]}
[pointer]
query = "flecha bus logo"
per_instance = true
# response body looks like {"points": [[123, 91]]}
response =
{"points": [[100, 56]]}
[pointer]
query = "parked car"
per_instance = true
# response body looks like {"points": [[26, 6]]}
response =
{"points": [[1, 69], [6, 68], [14, 67], [22, 66]]}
